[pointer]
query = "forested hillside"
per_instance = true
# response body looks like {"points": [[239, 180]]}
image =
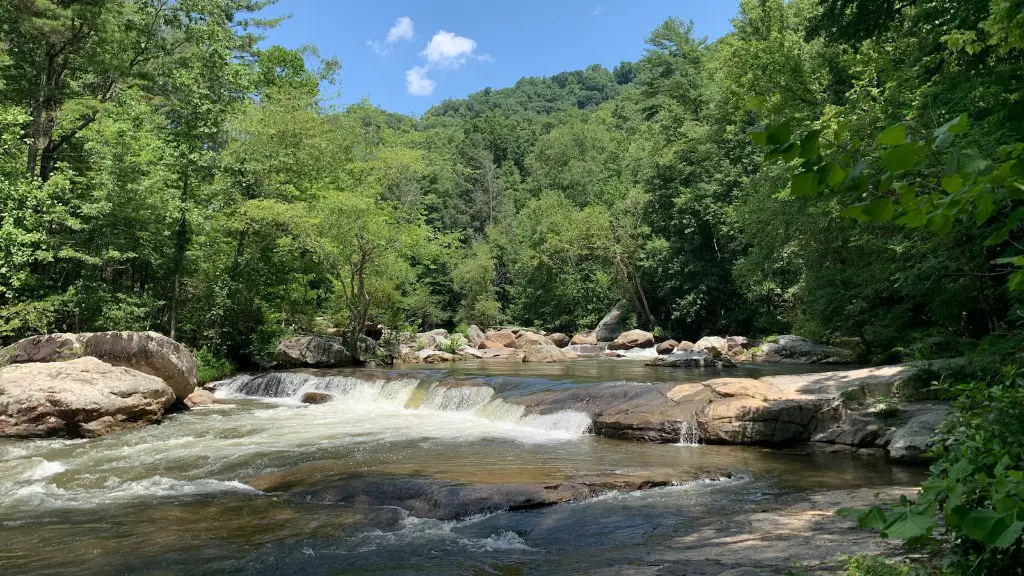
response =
{"points": [[161, 170]]}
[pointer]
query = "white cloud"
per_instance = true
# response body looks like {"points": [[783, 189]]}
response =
{"points": [[448, 50], [417, 83], [402, 30], [445, 51], [598, 10]]}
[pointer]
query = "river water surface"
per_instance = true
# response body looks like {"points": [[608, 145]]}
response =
{"points": [[178, 498]]}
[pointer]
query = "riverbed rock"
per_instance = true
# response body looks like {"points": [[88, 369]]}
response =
{"points": [[684, 346], [546, 354], [584, 339], [691, 360], [499, 339], [435, 357], [147, 352], [80, 398], [558, 339], [632, 339], [433, 339], [490, 353], [313, 352], [611, 325], [200, 398], [475, 335], [715, 345], [910, 442], [442, 499], [801, 350], [738, 343], [666, 347], [316, 398]]}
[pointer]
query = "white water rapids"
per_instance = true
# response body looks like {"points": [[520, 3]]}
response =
{"points": [[220, 447]]}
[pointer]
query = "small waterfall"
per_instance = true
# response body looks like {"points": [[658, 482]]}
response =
{"points": [[689, 434], [640, 353], [588, 349], [479, 401]]}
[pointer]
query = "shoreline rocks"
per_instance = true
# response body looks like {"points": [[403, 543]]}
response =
{"points": [[314, 352], [147, 352], [703, 359], [632, 339], [80, 398], [610, 326]]}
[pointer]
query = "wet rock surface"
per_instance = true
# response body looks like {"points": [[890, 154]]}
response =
{"points": [[313, 351], [445, 499], [81, 398]]}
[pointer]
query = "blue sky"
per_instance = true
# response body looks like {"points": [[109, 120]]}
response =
{"points": [[408, 55]]}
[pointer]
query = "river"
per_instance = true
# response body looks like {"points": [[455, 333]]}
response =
{"points": [[250, 486]]}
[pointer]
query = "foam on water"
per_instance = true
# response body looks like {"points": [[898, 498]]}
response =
{"points": [[639, 353]]}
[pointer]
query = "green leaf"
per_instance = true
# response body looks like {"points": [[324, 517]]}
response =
{"points": [[965, 161], [755, 103], [893, 135], [954, 126], [905, 525], [833, 173], [1009, 536], [804, 184], [985, 526], [952, 183], [810, 144], [780, 134], [759, 135], [903, 157], [880, 210]]}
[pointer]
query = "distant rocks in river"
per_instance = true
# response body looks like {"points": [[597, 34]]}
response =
{"points": [[684, 346], [584, 339], [80, 398], [694, 359], [499, 339], [800, 349], [148, 352], [714, 345], [666, 347], [558, 339], [632, 339], [316, 398], [200, 398], [475, 335]]}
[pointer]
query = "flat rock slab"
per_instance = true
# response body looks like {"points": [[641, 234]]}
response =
{"points": [[444, 499], [81, 398]]}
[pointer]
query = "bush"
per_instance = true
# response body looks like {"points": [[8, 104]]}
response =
{"points": [[211, 368], [454, 344], [977, 483], [865, 565]]}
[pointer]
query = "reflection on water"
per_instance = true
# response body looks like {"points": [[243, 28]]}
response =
{"points": [[175, 498]]}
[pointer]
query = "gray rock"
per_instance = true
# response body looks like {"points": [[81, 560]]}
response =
{"points": [[632, 339], [146, 352], [433, 339], [691, 360], [666, 347], [475, 335], [738, 343], [314, 352], [316, 398], [611, 325], [800, 349], [910, 441], [81, 398]]}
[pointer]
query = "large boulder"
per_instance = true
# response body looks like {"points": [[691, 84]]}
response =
{"points": [[527, 339], [475, 335], [546, 354], [684, 346], [910, 442], [715, 345], [435, 357], [799, 349], [200, 398], [80, 398], [738, 343], [559, 339], [314, 352], [499, 339], [632, 339], [691, 360], [146, 352], [584, 339], [611, 325]]}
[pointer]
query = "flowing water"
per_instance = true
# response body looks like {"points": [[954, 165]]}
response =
{"points": [[178, 498]]}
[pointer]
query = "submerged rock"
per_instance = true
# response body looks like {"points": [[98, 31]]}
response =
{"points": [[632, 339], [314, 352], [691, 360], [611, 325], [81, 398], [559, 339], [146, 352], [444, 499]]}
